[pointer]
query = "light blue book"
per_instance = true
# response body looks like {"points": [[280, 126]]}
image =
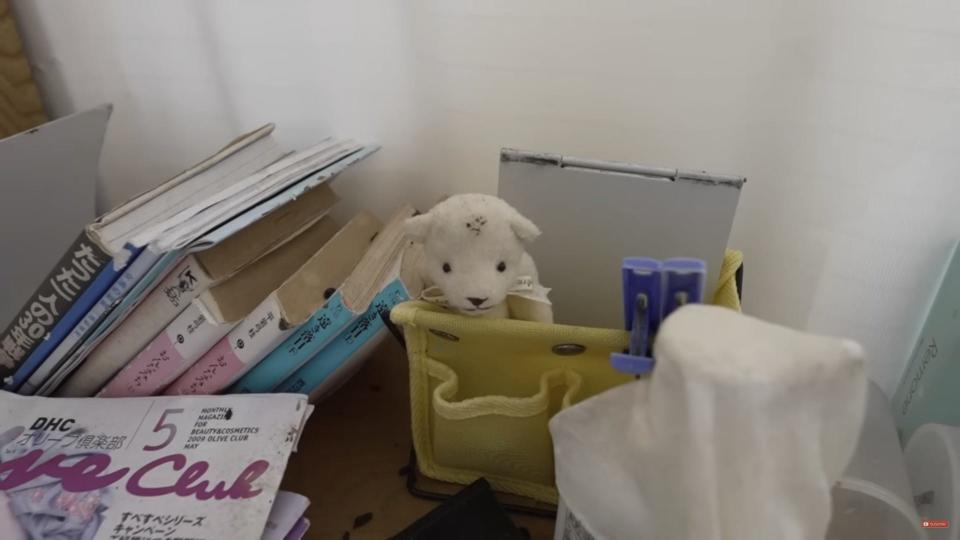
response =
{"points": [[84, 303], [380, 264], [319, 330], [342, 349], [929, 391], [127, 280]]}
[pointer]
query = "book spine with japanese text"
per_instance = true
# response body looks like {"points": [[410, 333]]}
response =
{"points": [[344, 348], [300, 347], [171, 353], [84, 288], [134, 272], [245, 345], [162, 467], [77, 270], [167, 300], [110, 322]]}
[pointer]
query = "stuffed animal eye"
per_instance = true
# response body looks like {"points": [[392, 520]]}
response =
{"points": [[502, 267], [446, 268]]}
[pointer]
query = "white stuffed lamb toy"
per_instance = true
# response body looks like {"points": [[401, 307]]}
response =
{"points": [[473, 258]]}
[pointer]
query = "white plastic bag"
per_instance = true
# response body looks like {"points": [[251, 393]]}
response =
{"points": [[740, 433]]}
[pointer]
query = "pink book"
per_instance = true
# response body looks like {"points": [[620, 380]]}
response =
{"points": [[185, 340], [210, 316], [235, 353]]}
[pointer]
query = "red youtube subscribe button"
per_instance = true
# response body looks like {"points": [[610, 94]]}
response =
{"points": [[935, 523]]}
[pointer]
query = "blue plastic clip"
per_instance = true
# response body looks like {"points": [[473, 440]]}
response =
{"points": [[642, 288], [651, 291], [683, 281]]}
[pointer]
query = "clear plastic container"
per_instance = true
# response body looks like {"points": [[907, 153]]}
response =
{"points": [[933, 462], [873, 499]]}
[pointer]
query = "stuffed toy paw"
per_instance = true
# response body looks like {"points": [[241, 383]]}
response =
{"points": [[473, 259]]}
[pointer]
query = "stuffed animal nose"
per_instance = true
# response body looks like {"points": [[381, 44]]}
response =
{"points": [[476, 301]]}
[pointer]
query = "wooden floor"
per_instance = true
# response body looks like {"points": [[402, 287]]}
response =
{"points": [[351, 454]]}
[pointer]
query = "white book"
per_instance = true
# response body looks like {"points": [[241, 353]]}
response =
{"points": [[232, 356], [186, 226], [238, 160]]}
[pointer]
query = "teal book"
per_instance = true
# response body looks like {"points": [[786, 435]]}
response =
{"points": [[929, 391], [384, 266], [309, 339], [345, 348]]}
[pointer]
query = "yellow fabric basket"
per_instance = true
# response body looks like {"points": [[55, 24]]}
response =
{"points": [[483, 390]]}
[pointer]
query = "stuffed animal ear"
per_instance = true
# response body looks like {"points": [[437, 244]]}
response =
{"points": [[417, 227], [525, 229]]}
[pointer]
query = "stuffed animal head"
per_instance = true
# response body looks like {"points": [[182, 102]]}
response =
{"points": [[473, 246]]}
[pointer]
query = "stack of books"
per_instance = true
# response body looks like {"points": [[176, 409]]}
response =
{"points": [[231, 277]]}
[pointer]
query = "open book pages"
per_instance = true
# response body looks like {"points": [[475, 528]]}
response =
{"points": [[190, 223], [237, 160], [379, 264]]}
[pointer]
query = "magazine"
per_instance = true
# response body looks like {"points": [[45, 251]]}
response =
{"points": [[197, 468]]}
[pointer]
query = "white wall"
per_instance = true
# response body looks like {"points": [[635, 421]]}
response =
{"points": [[844, 115]]}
